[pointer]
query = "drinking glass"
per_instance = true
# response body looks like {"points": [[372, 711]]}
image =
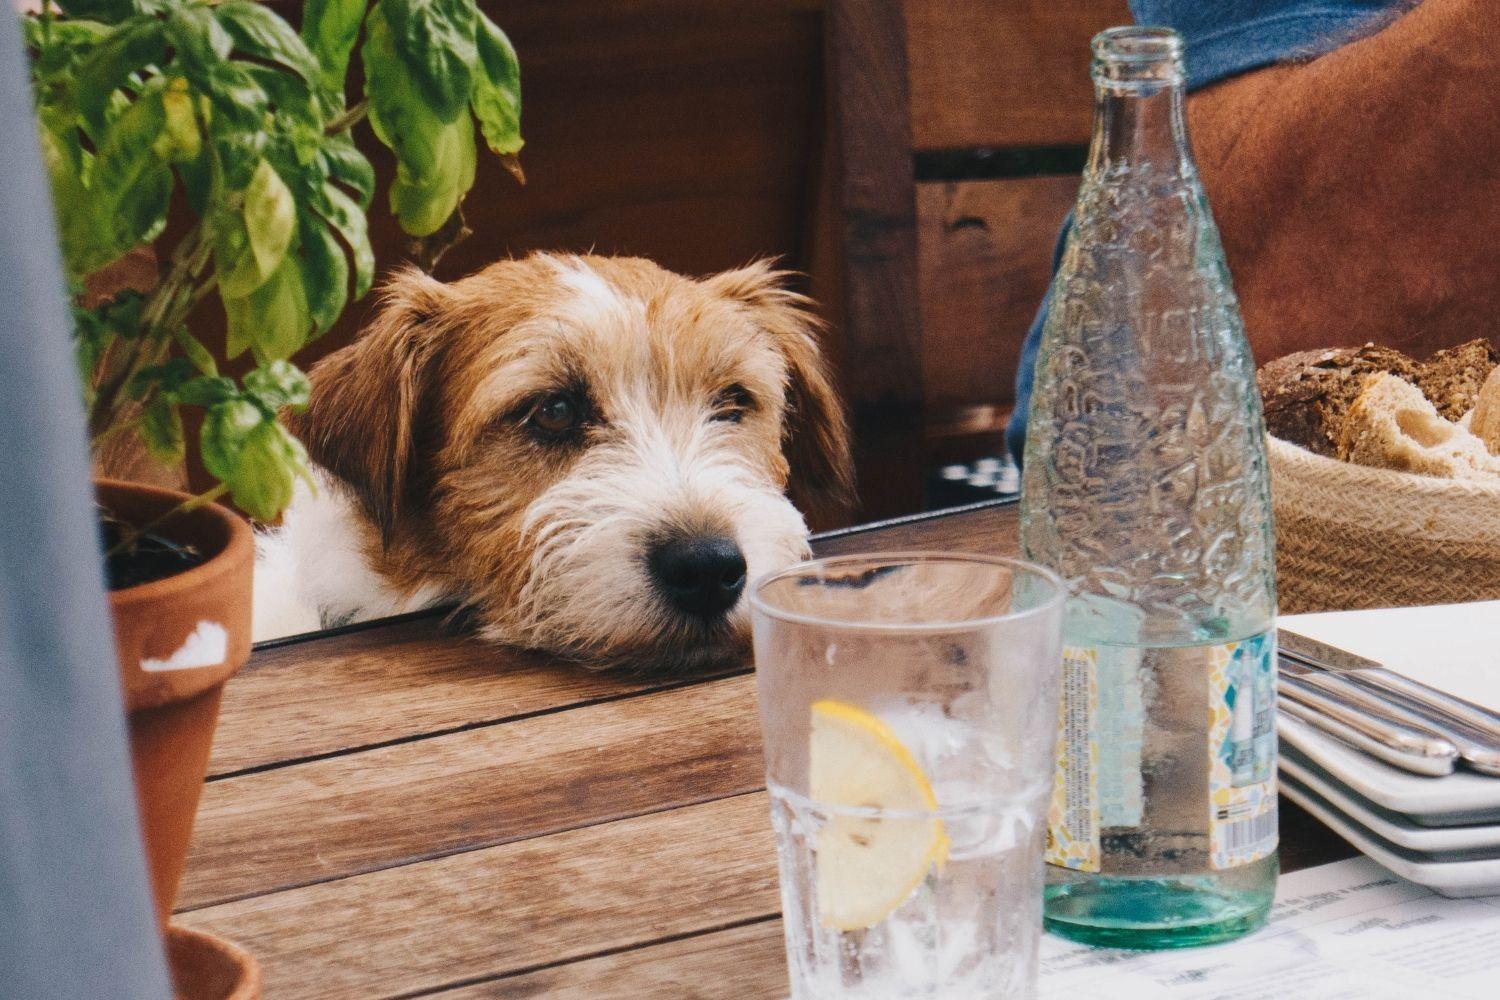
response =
{"points": [[909, 704]]}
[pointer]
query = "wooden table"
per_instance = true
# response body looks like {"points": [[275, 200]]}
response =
{"points": [[396, 812]]}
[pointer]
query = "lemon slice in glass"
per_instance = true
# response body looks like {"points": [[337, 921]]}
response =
{"points": [[867, 865]]}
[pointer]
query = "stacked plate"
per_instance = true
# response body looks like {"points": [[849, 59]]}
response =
{"points": [[1442, 832]]}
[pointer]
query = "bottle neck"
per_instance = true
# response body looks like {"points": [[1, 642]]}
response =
{"points": [[1140, 130]]}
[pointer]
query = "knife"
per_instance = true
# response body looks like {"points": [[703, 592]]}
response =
{"points": [[1410, 748], [1472, 729]]}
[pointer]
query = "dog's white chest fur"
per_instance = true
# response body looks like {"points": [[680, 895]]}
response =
{"points": [[310, 573]]}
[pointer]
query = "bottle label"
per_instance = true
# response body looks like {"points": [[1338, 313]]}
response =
{"points": [[1242, 735], [1073, 819], [1102, 748]]}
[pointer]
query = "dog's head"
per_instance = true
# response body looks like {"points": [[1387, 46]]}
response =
{"points": [[593, 453]]}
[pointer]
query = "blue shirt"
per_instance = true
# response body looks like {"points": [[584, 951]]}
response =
{"points": [[1224, 37]]}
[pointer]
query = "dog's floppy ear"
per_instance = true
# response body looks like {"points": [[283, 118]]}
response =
{"points": [[815, 434], [370, 400]]}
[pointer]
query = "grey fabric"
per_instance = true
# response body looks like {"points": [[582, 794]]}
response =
{"points": [[75, 913]]}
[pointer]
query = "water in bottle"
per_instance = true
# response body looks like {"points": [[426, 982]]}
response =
{"points": [[1145, 487]]}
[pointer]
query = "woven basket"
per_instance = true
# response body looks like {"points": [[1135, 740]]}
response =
{"points": [[1348, 536]]}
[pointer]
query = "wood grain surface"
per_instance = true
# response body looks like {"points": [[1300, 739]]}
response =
{"points": [[505, 909], [986, 262], [745, 961], [365, 688], [408, 812], [1003, 73], [420, 799], [876, 205]]}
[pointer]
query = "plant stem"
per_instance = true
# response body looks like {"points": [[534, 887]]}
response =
{"points": [[349, 118], [128, 540], [160, 314]]}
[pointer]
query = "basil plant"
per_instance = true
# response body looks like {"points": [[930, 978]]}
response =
{"points": [[227, 111]]}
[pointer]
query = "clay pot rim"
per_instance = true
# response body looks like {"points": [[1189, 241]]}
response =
{"points": [[239, 544], [183, 941]]}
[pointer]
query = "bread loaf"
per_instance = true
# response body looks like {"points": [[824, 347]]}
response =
{"points": [[1484, 420], [1307, 394], [1451, 378], [1392, 425]]}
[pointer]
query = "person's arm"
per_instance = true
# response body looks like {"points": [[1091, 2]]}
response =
{"points": [[1358, 194]]}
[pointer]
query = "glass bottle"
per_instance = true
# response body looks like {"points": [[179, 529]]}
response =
{"points": [[1145, 487]]}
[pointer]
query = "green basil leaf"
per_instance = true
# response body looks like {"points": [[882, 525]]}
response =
{"points": [[348, 219], [266, 470], [423, 201], [252, 244], [435, 39], [61, 45], [239, 153], [203, 46], [201, 357], [497, 90], [226, 427], [343, 162], [270, 216], [293, 104], [330, 29], [131, 49], [260, 33], [165, 378], [81, 230], [278, 384], [131, 183], [325, 274], [181, 141], [273, 320], [397, 111], [160, 428], [110, 11], [198, 36], [207, 390]]}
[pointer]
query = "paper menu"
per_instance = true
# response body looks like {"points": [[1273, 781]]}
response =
{"points": [[1455, 647], [1345, 931]]}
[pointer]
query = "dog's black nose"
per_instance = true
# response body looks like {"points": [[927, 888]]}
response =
{"points": [[699, 575]]}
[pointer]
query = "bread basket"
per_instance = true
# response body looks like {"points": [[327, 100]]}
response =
{"points": [[1349, 536]]}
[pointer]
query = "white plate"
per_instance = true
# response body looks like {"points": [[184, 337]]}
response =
{"points": [[1396, 828], [1455, 878], [1455, 647], [1459, 798]]}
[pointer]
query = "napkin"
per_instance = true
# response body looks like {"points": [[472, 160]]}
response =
{"points": [[1454, 647]]}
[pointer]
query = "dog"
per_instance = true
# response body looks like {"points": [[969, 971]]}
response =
{"points": [[592, 455]]}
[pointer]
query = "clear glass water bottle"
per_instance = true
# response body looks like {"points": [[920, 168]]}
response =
{"points": [[1145, 487]]}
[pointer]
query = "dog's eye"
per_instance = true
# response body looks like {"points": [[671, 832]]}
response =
{"points": [[557, 414], [733, 403]]}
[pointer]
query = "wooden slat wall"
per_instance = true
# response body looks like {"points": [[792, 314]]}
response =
{"points": [[673, 129], [986, 259], [1001, 75]]}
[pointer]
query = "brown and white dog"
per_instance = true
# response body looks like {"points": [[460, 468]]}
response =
{"points": [[592, 454]]}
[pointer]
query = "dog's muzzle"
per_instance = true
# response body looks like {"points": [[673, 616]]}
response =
{"points": [[701, 576]]}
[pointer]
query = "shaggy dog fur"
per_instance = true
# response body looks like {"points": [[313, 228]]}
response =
{"points": [[526, 440]]}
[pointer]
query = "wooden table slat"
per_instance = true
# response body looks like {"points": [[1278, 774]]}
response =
{"points": [[328, 819], [367, 688], [505, 909], [740, 962]]}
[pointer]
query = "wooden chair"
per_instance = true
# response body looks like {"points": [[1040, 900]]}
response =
{"points": [[956, 131]]}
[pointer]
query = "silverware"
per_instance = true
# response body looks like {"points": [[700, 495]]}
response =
{"points": [[1472, 729], [1410, 747]]}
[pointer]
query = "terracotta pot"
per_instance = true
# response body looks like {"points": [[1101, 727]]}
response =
{"points": [[205, 967], [179, 639]]}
